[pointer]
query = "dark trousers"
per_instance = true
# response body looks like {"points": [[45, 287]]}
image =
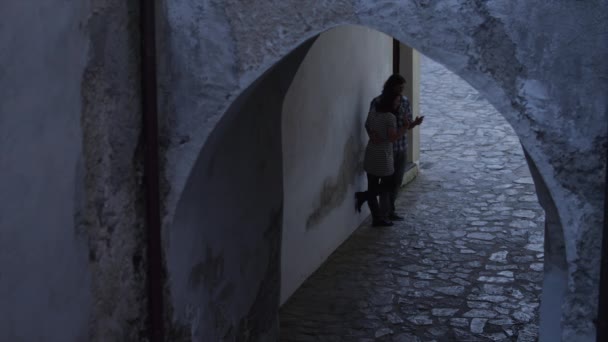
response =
{"points": [[397, 178], [379, 187]]}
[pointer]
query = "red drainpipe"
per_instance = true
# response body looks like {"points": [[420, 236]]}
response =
{"points": [[396, 55], [151, 170]]}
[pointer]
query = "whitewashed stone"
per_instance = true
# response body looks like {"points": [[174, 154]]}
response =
{"points": [[500, 280], [443, 312], [420, 320], [537, 267], [477, 325], [539, 247], [480, 313], [459, 322], [481, 236], [508, 274], [499, 256]]}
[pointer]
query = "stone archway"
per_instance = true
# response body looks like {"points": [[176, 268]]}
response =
{"points": [[488, 45]]}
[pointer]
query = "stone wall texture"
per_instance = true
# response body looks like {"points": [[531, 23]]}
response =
{"points": [[540, 64], [72, 234]]}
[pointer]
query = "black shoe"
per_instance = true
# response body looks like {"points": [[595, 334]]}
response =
{"points": [[359, 201], [395, 217], [382, 223]]}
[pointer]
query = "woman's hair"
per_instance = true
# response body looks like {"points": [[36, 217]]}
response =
{"points": [[386, 101], [393, 80]]}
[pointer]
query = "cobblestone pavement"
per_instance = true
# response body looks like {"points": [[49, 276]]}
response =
{"points": [[466, 265]]}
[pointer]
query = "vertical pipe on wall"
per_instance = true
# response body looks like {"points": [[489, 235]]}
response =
{"points": [[151, 173], [396, 55]]}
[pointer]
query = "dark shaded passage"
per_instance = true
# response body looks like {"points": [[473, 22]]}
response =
{"points": [[466, 265]]}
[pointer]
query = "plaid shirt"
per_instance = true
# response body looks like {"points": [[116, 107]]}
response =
{"points": [[404, 113]]}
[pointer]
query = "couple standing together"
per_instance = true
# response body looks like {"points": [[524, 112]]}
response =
{"points": [[388, 120]]}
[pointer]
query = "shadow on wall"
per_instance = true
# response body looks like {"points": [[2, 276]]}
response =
{"points": [[555, 268], [223, 251]]}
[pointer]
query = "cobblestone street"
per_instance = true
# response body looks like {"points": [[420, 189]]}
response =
{"points": [[465, 265]]}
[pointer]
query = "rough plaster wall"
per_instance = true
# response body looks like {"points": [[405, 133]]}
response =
{"points": [[193, 95], [113, 214], [561, 97], [223, 248], [555, 268], [323, 141], [541, 64], [72, 245], [44, 278]]}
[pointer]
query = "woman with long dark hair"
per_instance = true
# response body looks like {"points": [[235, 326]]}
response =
{"points": [[378, 162]]}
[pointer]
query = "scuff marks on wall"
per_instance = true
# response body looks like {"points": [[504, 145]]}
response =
{"points": [[261, 324], [208, 272], [334, 189]]}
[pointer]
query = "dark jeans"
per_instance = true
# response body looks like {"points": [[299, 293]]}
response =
{"points": [[379, 187], [397, 178]]}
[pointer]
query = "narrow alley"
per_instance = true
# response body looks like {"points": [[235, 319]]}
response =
{"points": [[465, 265]]}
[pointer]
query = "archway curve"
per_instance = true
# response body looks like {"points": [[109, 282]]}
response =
{"points": [[516, 92]]}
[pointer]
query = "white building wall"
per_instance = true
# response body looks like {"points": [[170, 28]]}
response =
{"points": [[323, 141]]}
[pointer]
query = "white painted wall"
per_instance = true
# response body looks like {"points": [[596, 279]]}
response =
{"points": [[323, 142], [223, 247], [44, 278]]}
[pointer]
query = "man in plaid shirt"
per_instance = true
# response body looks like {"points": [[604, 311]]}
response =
{"points": [[395, 85]]}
